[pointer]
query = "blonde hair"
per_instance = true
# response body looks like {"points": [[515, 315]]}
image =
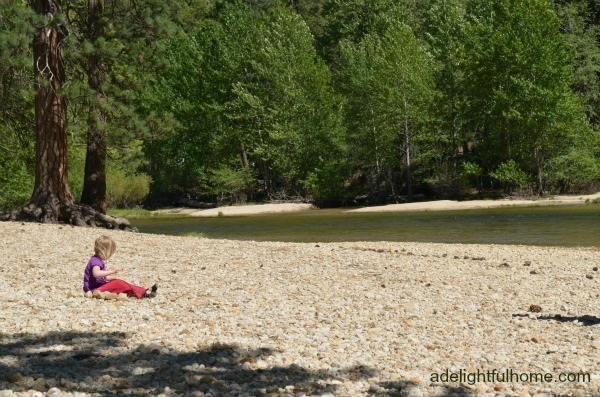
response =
{"points": [[104, 247]]}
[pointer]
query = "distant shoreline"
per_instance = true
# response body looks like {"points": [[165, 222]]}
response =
{"points": [[449, 205], [438, 205], [236, 210]]}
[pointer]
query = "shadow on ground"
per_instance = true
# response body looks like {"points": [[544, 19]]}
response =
{"points": [[100, 362], [585, 319]]}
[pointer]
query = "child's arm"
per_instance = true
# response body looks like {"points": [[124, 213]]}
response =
{"points": [[97, 273]]}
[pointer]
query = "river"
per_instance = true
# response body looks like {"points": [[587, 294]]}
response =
{"points": [[557, 225]]}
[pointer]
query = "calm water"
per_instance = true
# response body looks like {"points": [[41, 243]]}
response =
{"points": [[553, 225]]}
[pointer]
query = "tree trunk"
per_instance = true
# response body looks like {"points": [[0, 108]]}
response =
{"points": [[51, 190], [243, 155], [538, 172], [94, 180], [52, 201], [407, 151]]}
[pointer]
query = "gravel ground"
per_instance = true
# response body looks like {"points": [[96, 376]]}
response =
{"points": [[264, 318]]}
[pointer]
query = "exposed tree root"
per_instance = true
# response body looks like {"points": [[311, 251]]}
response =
{"points": [[75, 214]]}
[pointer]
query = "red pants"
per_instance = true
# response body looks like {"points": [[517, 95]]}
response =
{"points": [[117, 286]]}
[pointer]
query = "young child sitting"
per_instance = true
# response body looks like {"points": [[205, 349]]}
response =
{"points": [[98, 278]]}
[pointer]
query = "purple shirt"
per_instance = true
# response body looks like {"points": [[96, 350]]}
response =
{"points": [[90, 282]]}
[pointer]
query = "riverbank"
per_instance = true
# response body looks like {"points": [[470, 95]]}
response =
{"points": [[237, 210], [438, 205], [266, 318], [448, 205]]}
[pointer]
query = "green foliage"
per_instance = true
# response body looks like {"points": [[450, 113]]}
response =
{"points": [[327, 181], [126, 191], [353, 20], [577, 167], [519, 96], [16, 180], [189, 12], [232, 183], [124, 59], [446, 35], [389, 92], [254, 92], [582, 36], [471, 170], [76, 164], [510, 176], [17, 166], [470, 175], [319, 98], [16, 104]]}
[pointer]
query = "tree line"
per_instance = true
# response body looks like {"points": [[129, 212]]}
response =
{"points": [[331, 101]]}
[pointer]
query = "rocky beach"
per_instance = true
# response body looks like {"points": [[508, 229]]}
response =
{"points": [[244, 318]]}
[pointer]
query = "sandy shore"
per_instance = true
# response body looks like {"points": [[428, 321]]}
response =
{"points": [[447, 205], [439, 205], [266, 318], [240, 210]]}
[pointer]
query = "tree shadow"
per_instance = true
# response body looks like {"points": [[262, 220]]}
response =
{"points": [[404, 388], [586, 319], [103, 363]]}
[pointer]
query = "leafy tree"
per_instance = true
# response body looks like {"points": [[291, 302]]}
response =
{"points": [[312, 13], [188, 13], [371, 150], [296, 105], [583, 40], [405, 94], [353, 20], [389, 90], [446, 25], [518, 77], [256, 95]]}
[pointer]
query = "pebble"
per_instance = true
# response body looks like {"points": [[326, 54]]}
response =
{"points": [[310, 321]]}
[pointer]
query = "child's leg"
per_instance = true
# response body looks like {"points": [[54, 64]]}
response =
{"points": [[119, 286]]}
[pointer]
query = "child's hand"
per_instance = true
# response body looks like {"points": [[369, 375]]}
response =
{"points": [[117, 269]]}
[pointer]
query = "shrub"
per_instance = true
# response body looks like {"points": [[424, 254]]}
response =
{"points": [[471, 170], [573, 171], [227, 182], [76, 169], [16, 182], [509, 174], [324, 183], [126, 191]]}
